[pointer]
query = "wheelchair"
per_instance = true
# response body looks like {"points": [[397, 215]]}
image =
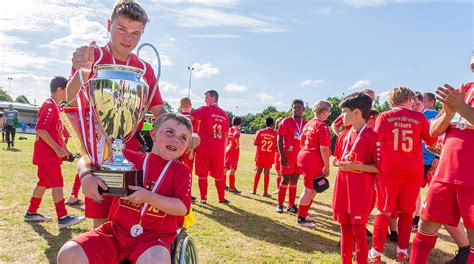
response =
{"points": [[183, 250]]}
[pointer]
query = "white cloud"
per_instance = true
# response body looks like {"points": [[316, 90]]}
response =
{"points": [[214, 36], [359, 85], [204, 70], [168, 86], [310, 82], [232, 87], [365, 3], [383, 96], [265, 97], [216, 3], [81, 32]]}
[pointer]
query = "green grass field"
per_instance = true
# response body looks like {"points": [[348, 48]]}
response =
{"points": [[246, 231]]}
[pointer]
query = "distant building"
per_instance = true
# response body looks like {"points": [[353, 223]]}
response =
{"points": [[28, 115]]}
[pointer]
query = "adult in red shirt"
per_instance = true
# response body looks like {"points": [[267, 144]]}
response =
{"points": [[400, 131], [232, 152], [289, 135], [126, 26], [313, 157], [358, 159], [266, 146], [144, 224], [50, 148], [213, 126], [452, 187]]}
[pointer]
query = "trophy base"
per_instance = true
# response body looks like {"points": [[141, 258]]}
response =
{"points": [[118, 181]]}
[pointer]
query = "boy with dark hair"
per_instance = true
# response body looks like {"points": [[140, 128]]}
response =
{"points": [[126, 26], [136, 231], [400, 132], [266, 142], [50, 148], [289, 136], [232, 151], [358, 158], [313, 157]]}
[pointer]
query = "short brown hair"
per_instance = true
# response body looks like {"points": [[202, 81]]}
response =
{"points": [[431, 97], [360, 101], [418, 96], [213, 93], [57, 82], [399, 95], [181, 119], [184, 101], [368, 91], [129, 9], [321, 105]]}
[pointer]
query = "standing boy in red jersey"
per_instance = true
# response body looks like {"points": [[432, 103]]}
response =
{"points": [[400, 131], [289, 135], [266, 142], [277, 159], [358, 157], [49, 150], [213, 124], [232, 152], [144, 224], [126, 26], [313, 157], [452, 187]]}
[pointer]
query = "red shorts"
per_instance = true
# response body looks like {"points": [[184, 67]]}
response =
{"points": [[106, 245], [456, 199], [231, 161], [346, 218], [293, 167], [209, 162], [98, 210], [264, 163], [396, 195], [50, 176], [311, 167]]}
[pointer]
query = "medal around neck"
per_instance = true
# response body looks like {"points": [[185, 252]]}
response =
{"points": [[111, 106], [136, 230]]}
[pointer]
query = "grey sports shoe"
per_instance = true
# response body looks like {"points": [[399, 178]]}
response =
{"points": [[36, 218], [70, 220]]}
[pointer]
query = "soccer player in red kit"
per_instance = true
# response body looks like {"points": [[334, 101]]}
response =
{"points": [[357, 155], [266, 142], [144, 224], [213, 126], [452, 187], [289, 135], [185, 108], [50, 148], [400, 131], [313, 157], [126, 26], [232, 152]]}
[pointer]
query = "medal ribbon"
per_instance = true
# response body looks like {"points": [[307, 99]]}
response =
{"points": [[348, 139]]}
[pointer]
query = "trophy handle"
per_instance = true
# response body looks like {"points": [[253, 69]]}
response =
{"points": [[158, 71]]}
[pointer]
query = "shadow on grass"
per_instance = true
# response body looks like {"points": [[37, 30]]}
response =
{"points": [[269, 230], [12, 149], [55, 242]]}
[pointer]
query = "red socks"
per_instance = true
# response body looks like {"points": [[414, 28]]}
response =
{"points": [[60, 209], [202, 183], [266, 181], [282, 193], [278, 180], [232, 181], [303, 210], [220, 186], [381, 223], [348, 233], [256, 179], [292, 195], [76, 186], [34, 205], [405, 222], [422, 245]]}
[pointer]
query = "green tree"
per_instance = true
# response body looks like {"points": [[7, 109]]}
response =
{"points": [[380, 107], [4, 96], [22, 99]]}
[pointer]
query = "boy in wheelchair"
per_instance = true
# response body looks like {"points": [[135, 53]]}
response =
{"points": [[142, 226]]}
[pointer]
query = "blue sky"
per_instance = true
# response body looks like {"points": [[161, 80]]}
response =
{"points": [[255, 53]]}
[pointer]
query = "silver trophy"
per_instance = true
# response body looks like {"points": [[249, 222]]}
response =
{"points": [[110, 108]]}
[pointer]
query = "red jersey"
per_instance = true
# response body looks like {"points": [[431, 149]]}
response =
{"points": [[233, 135], [266, 142], [400, 132], [457, 155], [48, 120], [194, 122], [176, 183], [291, 131], [338, 122], [213, 123], [353, 190], [315, 134]]}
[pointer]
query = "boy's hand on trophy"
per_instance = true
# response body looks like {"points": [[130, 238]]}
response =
{"points": [[139, 195], [90, 187], [83, 57]]}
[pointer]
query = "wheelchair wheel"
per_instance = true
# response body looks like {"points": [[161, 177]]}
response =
{"points": [[184, 250]]}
